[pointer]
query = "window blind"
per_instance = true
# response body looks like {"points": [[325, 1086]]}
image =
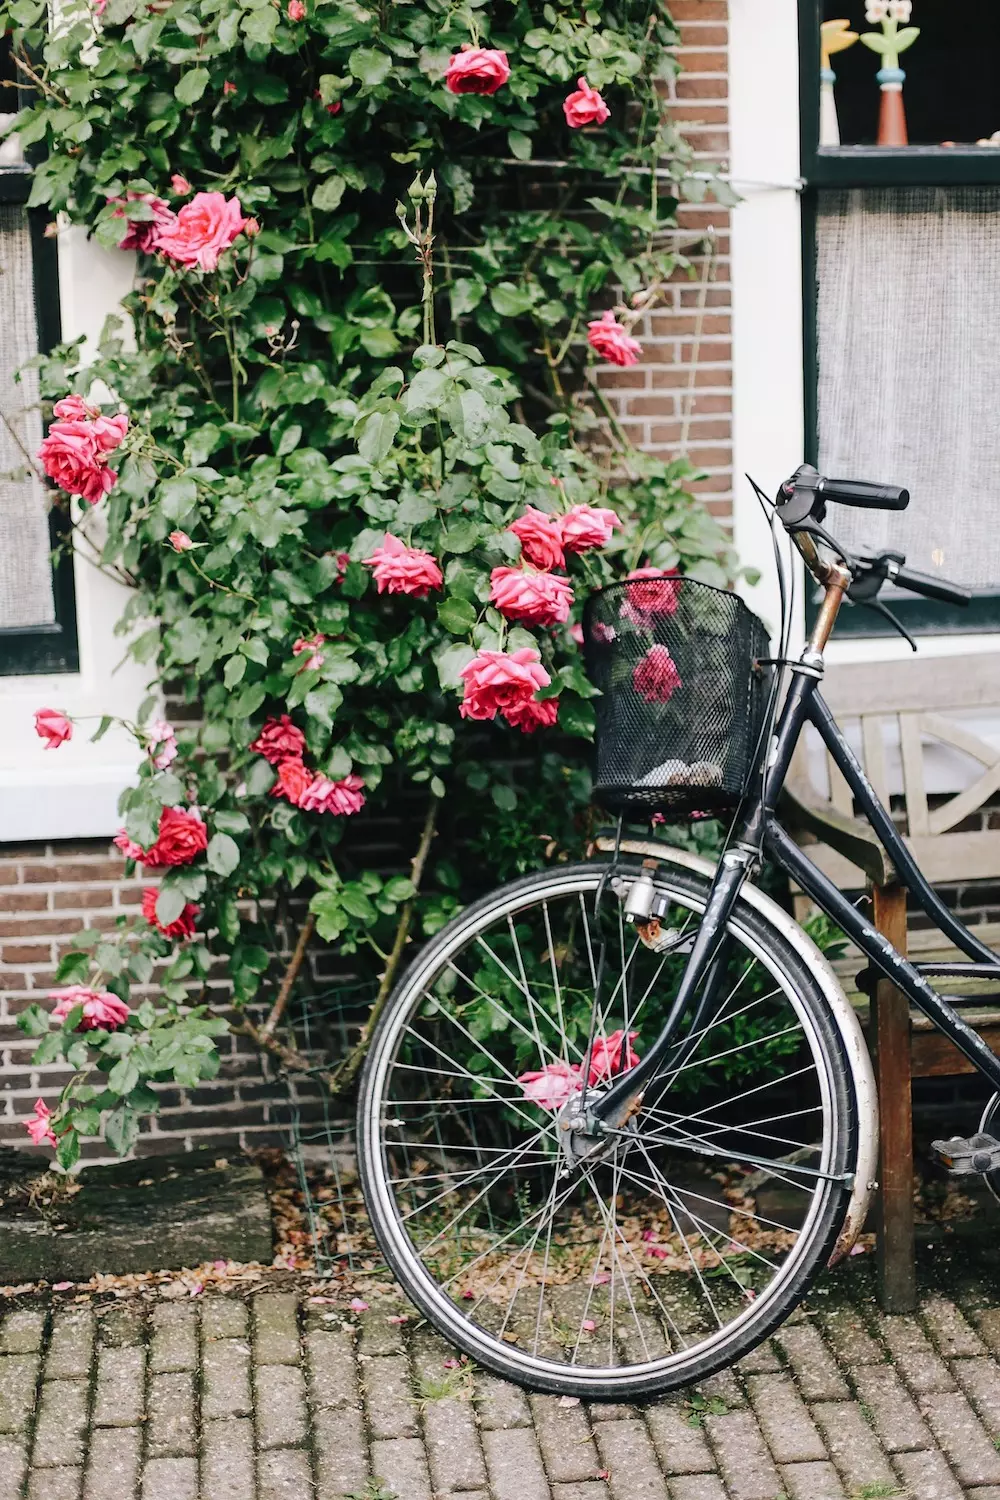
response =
{"points": [[908, 350], [26, 596]]}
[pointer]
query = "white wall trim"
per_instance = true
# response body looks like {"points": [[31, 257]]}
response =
{"points": [[73, 792]]}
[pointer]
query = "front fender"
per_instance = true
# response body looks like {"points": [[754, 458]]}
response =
{"points": [[841, 1009]]}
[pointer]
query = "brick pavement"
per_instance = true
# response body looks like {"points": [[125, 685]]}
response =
{"points": [[281, 1398]]}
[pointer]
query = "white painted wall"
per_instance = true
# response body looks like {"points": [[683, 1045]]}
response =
{"points": [[72, 792]]}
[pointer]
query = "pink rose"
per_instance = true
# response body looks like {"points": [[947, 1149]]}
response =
{"points": [[651, 592], [181, 927], [609, 339], [552, 1085], [499, 681], [280, 740], [179, 185], [532, 714], [310, 644], [74, 457], [140, 234], [228, 87], [296, 10], [109, 432], [294, 780], [38, 1127], [101, 1009], [540, 538], [341, 798], [204, 228], [585, 107], [163, 740], [251, 227], [535, 598], [182, 836], [180, 541], [53, 727], [476, 70], [74, 409], [585, 527], [612, 1054], [399, 569], [656, 677]]}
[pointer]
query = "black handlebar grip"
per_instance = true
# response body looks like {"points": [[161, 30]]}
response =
{"points": [[862, 493], [931, 588]]}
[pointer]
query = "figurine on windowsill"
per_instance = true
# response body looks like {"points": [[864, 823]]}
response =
{"points": [[834, 36], [889, 43]]}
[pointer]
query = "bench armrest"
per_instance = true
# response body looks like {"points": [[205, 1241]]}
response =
{"points": [[849, 837]]}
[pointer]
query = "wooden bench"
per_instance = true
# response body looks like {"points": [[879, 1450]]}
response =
{"points": [[901, 707]]}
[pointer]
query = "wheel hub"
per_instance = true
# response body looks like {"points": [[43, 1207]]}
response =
{"points": [[582, 1138]]}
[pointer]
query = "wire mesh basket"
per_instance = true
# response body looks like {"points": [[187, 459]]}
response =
{"points": [[683, 695]]}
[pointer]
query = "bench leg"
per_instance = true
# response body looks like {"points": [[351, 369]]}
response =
{"points": [[890, 1031]]}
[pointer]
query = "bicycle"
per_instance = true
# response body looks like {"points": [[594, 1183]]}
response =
{"points": [[566, 1162]]}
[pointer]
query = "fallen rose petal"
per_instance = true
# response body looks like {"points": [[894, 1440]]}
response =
{"points": [[398, 1318], [197, 1289], [600, 1278], [357, 1305], [658, 1251], [603, 1474], [451, 1364], [220, 1265], [468, 1296], [588, 1325], [649, 1234], [62, 1286]]}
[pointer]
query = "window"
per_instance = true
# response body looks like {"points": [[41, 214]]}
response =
{"points": [[37, 613], [902, 290]]}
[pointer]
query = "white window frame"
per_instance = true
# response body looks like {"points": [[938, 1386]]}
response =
{"points": [[73, 792]]}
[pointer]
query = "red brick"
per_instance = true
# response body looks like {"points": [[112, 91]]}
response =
{"points": [[8, 874], [24, 901], [24, 927], [699, 10], [59, 874], [24, 953], [81, 899]]}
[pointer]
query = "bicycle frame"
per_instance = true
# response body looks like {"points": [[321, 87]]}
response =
{"points": [[760, 832]]}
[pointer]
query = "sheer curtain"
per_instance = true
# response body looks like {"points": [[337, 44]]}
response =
{"points": [[908, 342], [25, 566]]}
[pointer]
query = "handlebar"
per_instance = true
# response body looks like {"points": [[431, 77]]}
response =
{"points": [[863, 493], [931, 588]]}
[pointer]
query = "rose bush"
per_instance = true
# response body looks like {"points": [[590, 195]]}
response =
{"points": [[360, 481]]}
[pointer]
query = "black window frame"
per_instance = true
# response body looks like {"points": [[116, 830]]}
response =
{"points": [[41, 649], [860, 167]]}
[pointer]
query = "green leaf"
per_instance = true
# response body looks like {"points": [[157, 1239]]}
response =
{"points": [[68, 1150], [234, 671], [504, 796], [169, 904], [74, 968], [223, 854], [520, 145], [329, 193], [510, 301], [124, 1075], [86, 1121], [177, 497], [191, 86], [456, 615], [370, 66], [427, 391], [260, 778], [121, 1130], [477, 419], [399, 888], [376, 435], [450, 662], [34, 1021]]}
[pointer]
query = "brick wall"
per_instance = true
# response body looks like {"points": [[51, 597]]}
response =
{"points": [[48, 894], [678, 398]]}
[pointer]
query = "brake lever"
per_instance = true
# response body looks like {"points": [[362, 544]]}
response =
{"points": [[886, 613]]}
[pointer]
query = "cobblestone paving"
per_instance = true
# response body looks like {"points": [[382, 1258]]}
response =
{"points": [[282, 1399]]}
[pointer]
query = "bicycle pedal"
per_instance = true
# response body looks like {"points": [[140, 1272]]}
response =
{"points": [[965, 1155]]}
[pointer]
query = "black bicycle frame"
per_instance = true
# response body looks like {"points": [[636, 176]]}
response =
{"points": [[760, 832]]}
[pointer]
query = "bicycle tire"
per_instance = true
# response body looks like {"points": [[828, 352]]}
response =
{"points": [[812, 1249]]}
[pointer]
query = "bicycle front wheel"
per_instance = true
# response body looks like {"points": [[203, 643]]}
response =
{"points": [[688, 1236]]}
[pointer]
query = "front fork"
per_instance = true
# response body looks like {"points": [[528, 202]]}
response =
{"points": [[704, 970]]}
